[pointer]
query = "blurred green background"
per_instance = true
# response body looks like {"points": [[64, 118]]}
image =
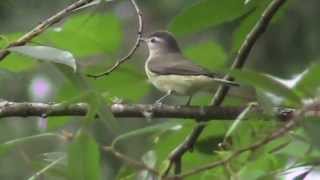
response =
{"points": [[209, 34]]}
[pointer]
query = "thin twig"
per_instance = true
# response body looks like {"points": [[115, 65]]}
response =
{"points": [[43, 26], [133, 49], [243, 53]]}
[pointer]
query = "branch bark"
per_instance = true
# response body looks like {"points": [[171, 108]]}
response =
{"points": [[26, 109]]}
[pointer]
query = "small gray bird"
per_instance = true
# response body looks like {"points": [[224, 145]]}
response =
{"points": [[170, 72]]}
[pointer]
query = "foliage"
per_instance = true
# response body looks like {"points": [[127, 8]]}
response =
{"points": [[94, 41]]}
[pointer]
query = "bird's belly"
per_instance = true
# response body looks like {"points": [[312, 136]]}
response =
{"points": [[181, 85], [178, 84]]}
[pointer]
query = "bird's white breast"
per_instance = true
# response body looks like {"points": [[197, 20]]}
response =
{"points": [[179, 84]]}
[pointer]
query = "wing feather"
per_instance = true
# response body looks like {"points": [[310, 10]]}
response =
{"points": [[177, 65]]}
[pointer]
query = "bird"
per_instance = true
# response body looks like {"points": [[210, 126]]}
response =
{"points": [[172, 73]]}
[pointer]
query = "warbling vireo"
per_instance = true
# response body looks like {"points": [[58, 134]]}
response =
{"points": [[170, 72]]}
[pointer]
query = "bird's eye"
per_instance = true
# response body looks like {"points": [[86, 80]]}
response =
{"points": [[153, 40]]}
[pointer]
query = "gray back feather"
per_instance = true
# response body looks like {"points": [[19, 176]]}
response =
{"points": [[176, 64]]}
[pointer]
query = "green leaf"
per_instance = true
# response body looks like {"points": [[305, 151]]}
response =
{"points": [[208, 54], [57, 122], [6, 39], [117, 84], [145, 130], [87, 34], [14, 62], [46, 53], [17, 63], [309, 82], [46, 168], [205, 14], [126, 173], [6, 146], [98, 106], [259, 167], [248, 22], [168, 140], [246, 25], [236, 123], [84, 158], [311, 127], [266, 83]]}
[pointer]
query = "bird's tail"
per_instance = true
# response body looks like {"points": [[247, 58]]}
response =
{"points": [[226, 82]]}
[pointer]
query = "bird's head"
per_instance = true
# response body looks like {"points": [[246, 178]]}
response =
{"points": [[161, 42]]}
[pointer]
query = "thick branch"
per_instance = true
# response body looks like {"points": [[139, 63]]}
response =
{"points": [[25, 109], [43, 26]]}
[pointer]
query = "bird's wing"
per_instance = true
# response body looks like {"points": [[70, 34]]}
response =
{"points": [[177, 65]]}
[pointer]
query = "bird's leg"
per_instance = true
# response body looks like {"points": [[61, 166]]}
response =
{"points": [[189, 100], [163, 97]]}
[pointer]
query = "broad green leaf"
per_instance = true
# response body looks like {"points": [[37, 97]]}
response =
{"points": [[46, 168], [309, 83], [208, 54], [168, 140], [17, 63], [311, 128], [207, 13], [98, 106], [6, 146], [248, 22], [236, 123], [6, 39], [46, 53], [81, 90], [145, 130], [57, 122], [126, 173], [245, 26], [266, 83], [86, 34], [258, 168], [118, 83], [14, 62], [149, 159], [84, 158]]}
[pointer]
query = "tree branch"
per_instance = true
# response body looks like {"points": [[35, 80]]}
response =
{"points": [[133, 49], [26, 109], [260, 27], [43, 26]]}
